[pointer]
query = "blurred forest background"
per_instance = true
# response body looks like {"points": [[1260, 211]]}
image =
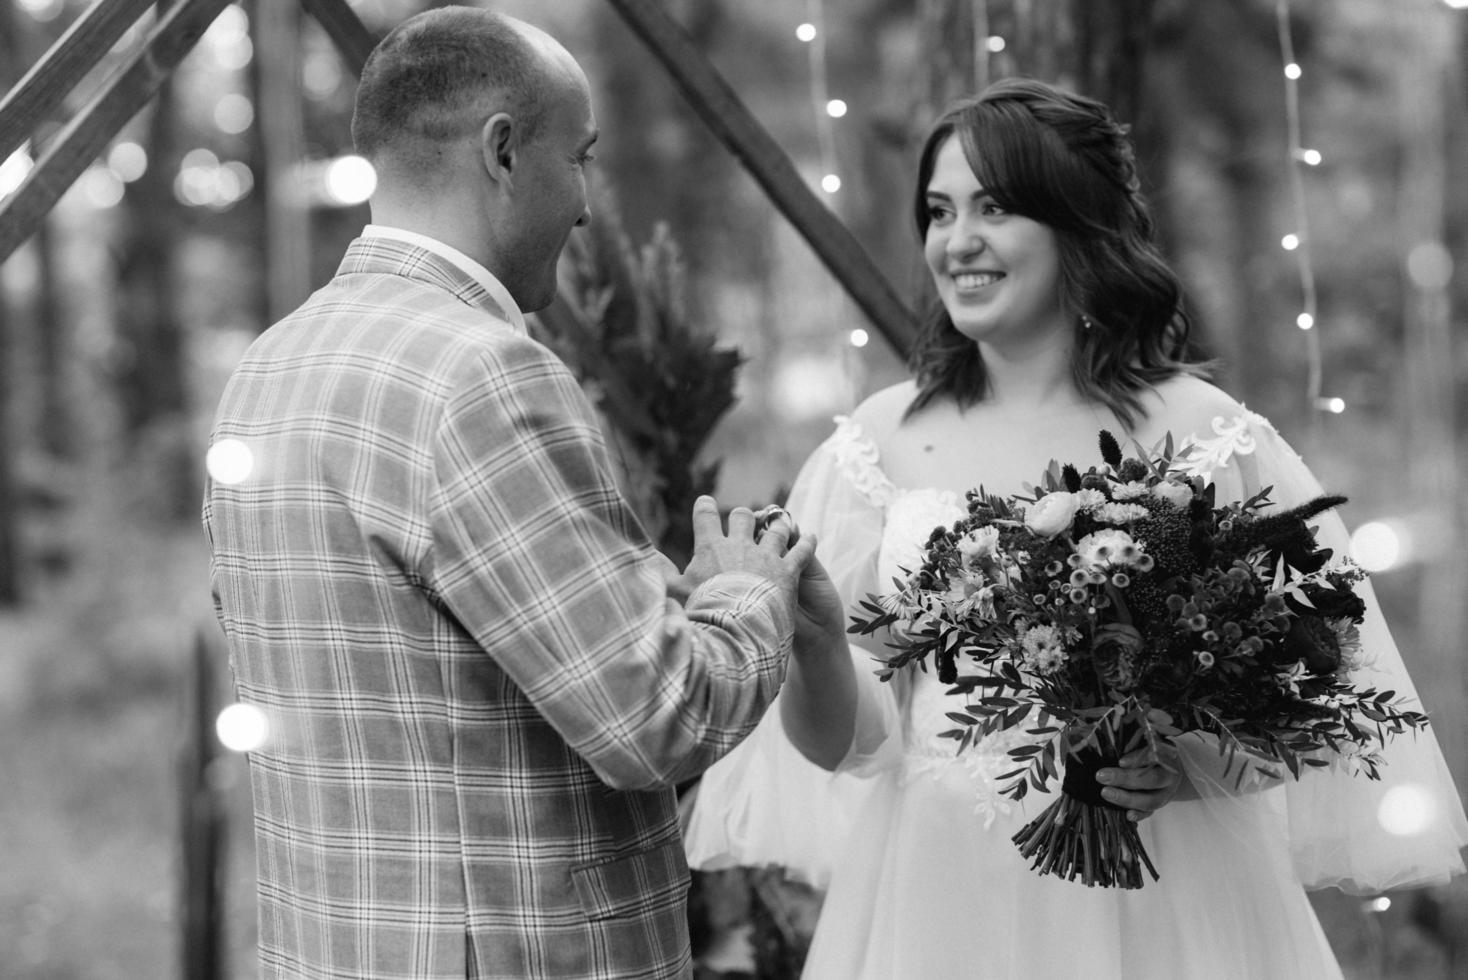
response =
{"points": [[232, 195]]}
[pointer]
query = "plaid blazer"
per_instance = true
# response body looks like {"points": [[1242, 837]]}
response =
{"points": [[479, 692]]}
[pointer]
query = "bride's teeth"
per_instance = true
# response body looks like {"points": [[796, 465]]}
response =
{"points": [[974, 280]]}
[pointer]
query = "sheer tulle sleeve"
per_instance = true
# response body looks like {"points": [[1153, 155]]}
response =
{"points": [[764, 803], [1336, 834]]}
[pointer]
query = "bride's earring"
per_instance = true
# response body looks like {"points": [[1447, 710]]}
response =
{"points": [[1086, 322]]}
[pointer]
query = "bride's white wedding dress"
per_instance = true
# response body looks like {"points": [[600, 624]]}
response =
{"points": [[913, 844]]}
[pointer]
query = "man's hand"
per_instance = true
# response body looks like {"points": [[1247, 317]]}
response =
{"points": [[738, 550]]}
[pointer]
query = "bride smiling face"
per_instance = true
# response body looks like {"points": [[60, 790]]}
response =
{"points": [[997, 272]]}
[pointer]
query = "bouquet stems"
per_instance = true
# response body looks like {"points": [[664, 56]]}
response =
{"points": [[1082, 836]]}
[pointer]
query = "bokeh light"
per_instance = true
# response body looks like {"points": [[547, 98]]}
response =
{"points": [[1311, 157], [806, 32], [1377, 546], [859, 337], [1290, 242], [242, 728], [128, 160], [1304, 321], [350, 180], [1378, 904], [99, 187], [1406, 811], [830, 183], [995, 43], [229, 461], [836, 108], [1293, 71], [228, 39], [234, 113], [15, 169], [42, 10], [1430, 265]]}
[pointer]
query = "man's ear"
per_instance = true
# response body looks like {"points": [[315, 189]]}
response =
{"points": [[499, 142]]}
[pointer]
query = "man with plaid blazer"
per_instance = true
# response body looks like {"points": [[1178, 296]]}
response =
{"points": [[479, 685]]}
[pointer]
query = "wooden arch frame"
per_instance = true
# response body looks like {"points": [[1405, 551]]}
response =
{"points": [[180, 24]]}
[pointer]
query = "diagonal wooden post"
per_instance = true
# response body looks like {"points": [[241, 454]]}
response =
{"points": [[723, 111], [86, 136], [37, 94]]}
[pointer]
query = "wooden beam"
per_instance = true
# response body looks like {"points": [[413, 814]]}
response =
{"points": [[87, 135], [74, 54], [352, 38], [722, 110]]}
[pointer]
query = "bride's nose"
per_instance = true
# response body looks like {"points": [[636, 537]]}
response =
{"points": [[964, 240]]}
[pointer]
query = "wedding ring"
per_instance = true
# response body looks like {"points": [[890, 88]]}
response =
{"points": [[766, 516]]}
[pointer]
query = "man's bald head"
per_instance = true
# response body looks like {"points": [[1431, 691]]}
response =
{"points": [[436, 77]]}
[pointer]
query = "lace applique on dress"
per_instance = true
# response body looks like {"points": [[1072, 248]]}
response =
{"points": [[857, 459], [1200, 457]]}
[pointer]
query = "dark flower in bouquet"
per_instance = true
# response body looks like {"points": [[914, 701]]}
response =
{"points": [[1121, 608]]}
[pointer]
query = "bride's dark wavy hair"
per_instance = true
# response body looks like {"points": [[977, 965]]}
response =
{"points": [[1061, 159]]}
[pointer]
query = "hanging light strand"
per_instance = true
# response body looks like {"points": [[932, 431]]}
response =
{"points": [[813, 32], [1298, 241]]}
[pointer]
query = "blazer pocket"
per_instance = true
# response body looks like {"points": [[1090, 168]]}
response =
{"points": [[632, 884]]}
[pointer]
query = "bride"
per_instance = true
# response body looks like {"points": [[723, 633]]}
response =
{"points": [[1058, 318]]}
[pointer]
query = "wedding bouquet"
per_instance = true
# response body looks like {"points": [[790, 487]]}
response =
{"points": [[1121, 608]]}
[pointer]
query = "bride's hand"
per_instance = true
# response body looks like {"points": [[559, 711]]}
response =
{"points": [[1142, 783]]}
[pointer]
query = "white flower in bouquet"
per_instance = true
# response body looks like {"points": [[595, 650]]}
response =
{"points": [[1052, 513], [981, 542], [1177, 494], [1108, 547]]}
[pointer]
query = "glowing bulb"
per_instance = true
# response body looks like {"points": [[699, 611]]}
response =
{"points": [[836, 108], [830, 183], [1457, 4], [806, 32], [995, 43], [1378, 904], [1335, 406], [1304, 321], [1290, 242], [229, 461], [242, 728], [1406, 810], [1292, 71], [350, 180], [859, 337], [1376, 546], [1311, 157]]}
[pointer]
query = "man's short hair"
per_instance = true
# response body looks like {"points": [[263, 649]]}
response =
{"points": [[438, 76]]}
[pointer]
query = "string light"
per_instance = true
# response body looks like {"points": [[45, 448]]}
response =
{"points": [[1298, 241], [859, 337], [813, 33], [995, 43]]}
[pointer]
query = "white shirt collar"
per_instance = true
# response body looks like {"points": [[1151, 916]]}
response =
{"points": [[474, 270]]}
